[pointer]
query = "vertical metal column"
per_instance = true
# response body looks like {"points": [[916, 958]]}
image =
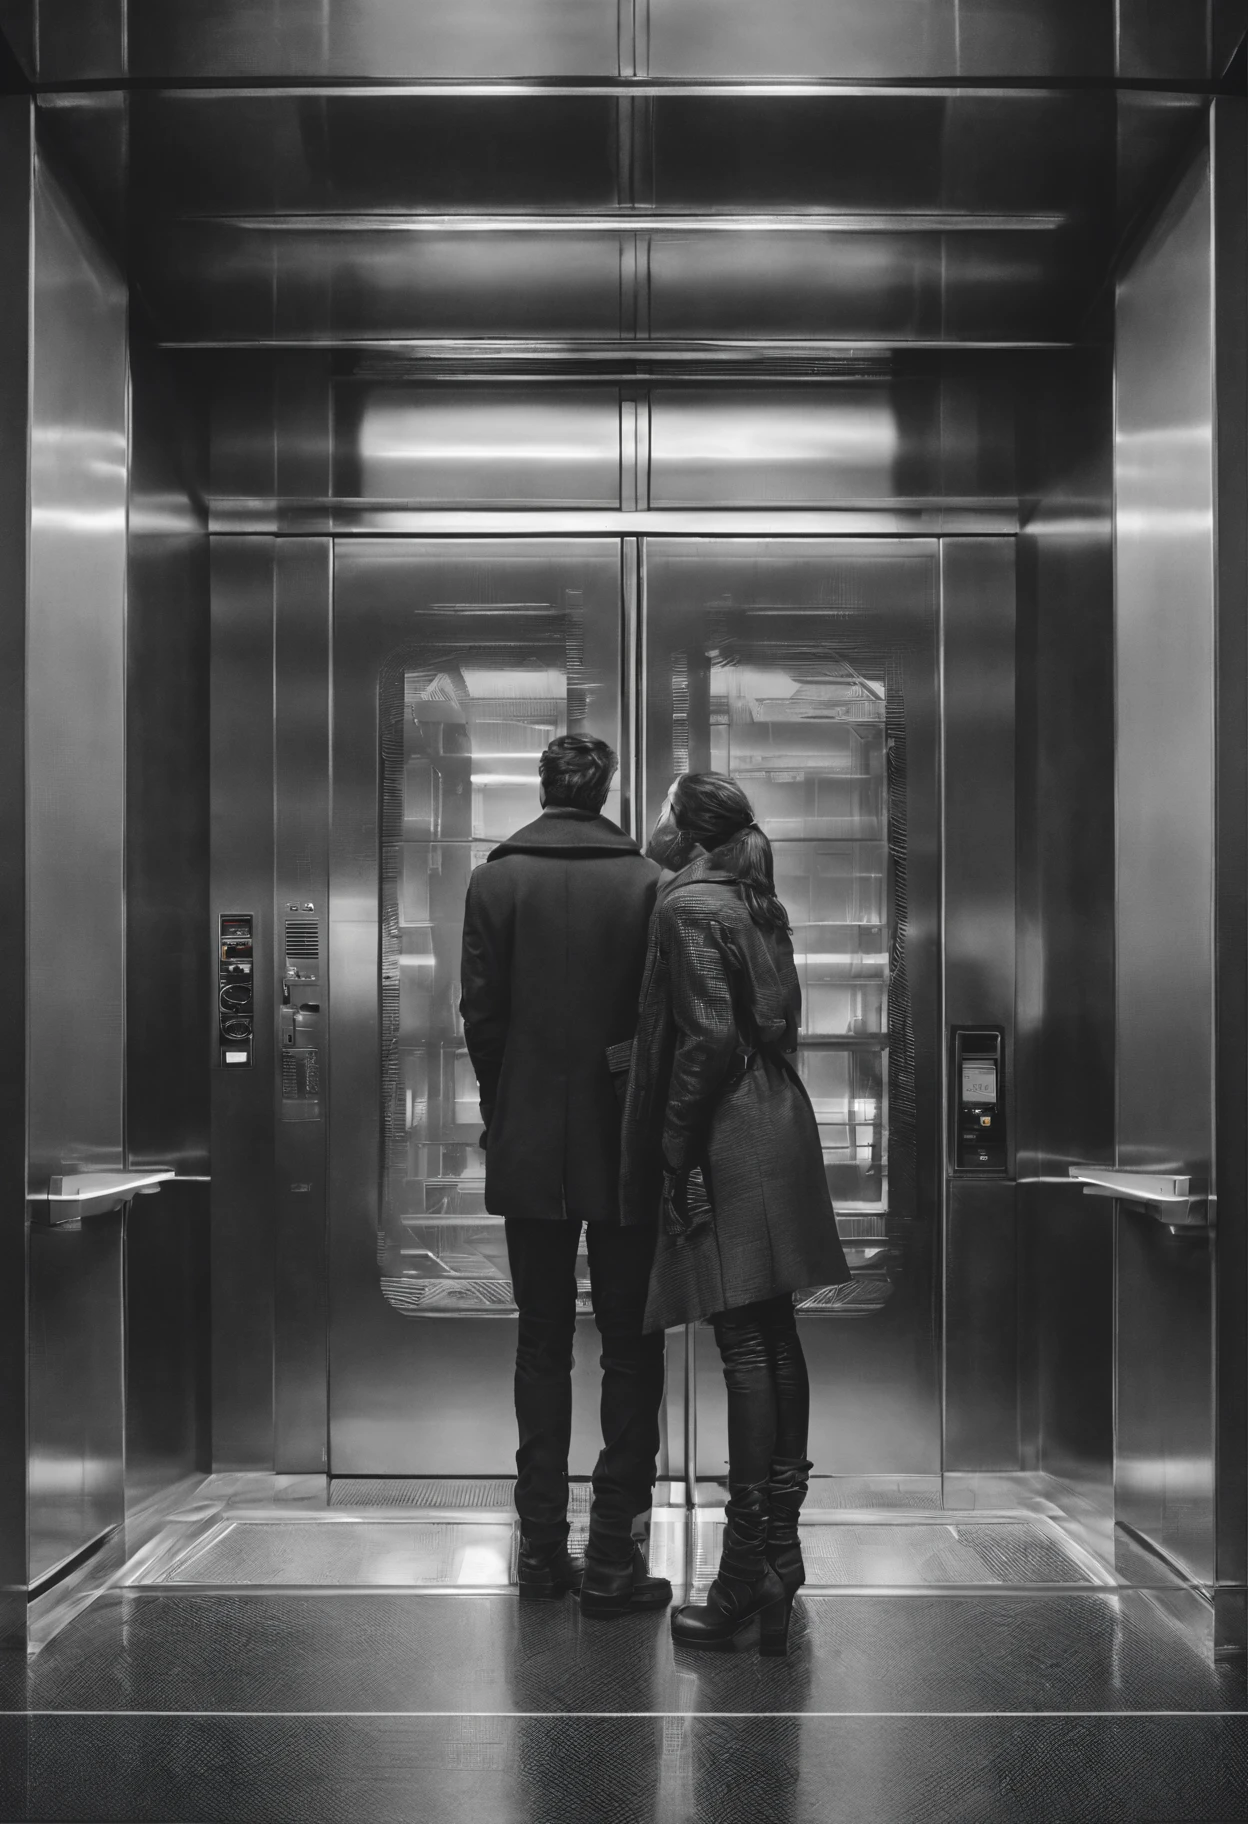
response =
{"points": [[298, 992]]}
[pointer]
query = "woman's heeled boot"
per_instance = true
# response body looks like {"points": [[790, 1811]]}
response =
{"points": [[745, 1586], [786, 1490]]}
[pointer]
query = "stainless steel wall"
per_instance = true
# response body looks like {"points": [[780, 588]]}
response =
{"points": [[1166, 655], [16, 126], [241, 881], [1064, 1006], [1230, 255], [980, 1284], [299, 446], [75, 848], [168, 962], [443, 38]]}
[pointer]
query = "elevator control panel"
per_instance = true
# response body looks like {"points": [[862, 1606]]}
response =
{"points": [[977, 1089], [235, 991]]}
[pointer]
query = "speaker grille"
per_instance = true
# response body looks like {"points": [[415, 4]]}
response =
{"points": [[303, 940]]}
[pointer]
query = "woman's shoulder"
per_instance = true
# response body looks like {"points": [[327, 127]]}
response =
{"points": [[697, 898]]}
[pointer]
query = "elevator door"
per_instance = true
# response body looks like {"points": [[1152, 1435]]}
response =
{"points": [[807, 669], [454, 663]]}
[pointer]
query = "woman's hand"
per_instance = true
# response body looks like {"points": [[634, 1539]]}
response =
{"points": [[687, 1207]]}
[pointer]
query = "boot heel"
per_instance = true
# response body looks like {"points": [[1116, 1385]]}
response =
{"points": [[773, 1628]]}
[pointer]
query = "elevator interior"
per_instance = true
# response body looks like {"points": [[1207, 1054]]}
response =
{"points": [[870, 432]]}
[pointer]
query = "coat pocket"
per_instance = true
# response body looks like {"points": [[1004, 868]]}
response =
{"points": [[619, 1058]]}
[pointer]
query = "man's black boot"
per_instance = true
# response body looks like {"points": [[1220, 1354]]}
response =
{"points": [[745, 1586], [616, 1580], [546, 1569]]}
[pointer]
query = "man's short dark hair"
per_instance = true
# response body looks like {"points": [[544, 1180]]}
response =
{"points": [[576, 771]]}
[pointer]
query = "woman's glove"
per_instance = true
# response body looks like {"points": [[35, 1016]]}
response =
{"points": [[687, 1209]]}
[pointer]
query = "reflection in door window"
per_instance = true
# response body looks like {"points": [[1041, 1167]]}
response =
{"points": [[464, 714]]}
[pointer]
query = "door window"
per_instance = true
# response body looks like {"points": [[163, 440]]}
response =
{"points": [[788, 664]]}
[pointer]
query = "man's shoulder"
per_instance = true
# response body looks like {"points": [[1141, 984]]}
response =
{"points": [[499, 873]]}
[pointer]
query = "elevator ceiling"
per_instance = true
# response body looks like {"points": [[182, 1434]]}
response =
{"points": [[579, 222], [398, 40]]}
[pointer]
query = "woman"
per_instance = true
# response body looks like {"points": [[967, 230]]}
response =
{"points": [[720, 1135]]}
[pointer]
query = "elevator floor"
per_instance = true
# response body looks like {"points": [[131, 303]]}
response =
{"points": [[174, 1694]]}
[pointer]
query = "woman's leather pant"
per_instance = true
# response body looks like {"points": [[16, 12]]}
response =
{"points": [[768, 1387]]}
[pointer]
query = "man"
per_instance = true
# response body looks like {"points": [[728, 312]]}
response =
{"points": [[554, 945]]}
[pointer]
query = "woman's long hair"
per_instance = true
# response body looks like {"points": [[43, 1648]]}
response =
{"points": [[715, 812]]}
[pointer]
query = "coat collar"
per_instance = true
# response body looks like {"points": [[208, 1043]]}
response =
{"points": [[563, 830], [694, 873]]}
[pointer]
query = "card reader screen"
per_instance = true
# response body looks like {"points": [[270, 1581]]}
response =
{"points": [[979, 1082]]}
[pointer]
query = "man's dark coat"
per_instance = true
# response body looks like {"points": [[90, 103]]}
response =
{"points": [[554, 946]]}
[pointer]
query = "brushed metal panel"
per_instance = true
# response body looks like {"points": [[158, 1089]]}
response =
{"points": [[302, 607], [168, 1337], [374, 152], [1229, 21], [224, 282], [411, 1394], [1165, 659], [81, 39], [169, 974], [477, 445], [806, 446], [76, 693], [1064, 1048], [16, 128], [981, 1327], [1064, 1051], [1230, 178], [1164, 548], [84, 135], [897, 38], [901, 150], [391, 39], [980, 1270], [75, 749], [870, 286], [242, 828], [1066, 1322], [75, 1414], [269, 428], [1157, 38], [17, 20], [978, 614], [1164, 1458]]}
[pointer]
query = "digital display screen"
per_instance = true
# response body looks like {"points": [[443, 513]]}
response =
{"points": [[236, 1057], [979, 1082]]}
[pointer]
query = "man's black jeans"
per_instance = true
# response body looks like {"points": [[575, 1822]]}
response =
{"points": [[543, 1274]]}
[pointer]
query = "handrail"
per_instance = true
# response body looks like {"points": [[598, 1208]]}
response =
{"points": [[1169, 1196], [70, 1196]]}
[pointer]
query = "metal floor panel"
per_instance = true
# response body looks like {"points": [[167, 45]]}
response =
{"points": [[354, 1551], [860, 1494], [466, 1552], [924, 1555], [441, 1493], [342, 1553]]}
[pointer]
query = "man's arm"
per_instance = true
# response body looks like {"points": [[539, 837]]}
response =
{"points": [[485, 983]]}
